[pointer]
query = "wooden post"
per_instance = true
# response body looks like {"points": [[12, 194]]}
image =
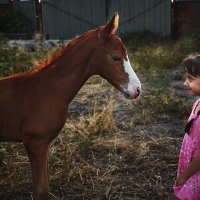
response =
{"points": [[38, 16], [107, 3]]}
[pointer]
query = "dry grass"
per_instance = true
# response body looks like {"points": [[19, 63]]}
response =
{"points": [[110, 148]]}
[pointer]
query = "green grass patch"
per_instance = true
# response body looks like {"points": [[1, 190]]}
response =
{"points": [[19, 59]]}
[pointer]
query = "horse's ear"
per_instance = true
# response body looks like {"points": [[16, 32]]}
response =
{"points": [[111, 26]]}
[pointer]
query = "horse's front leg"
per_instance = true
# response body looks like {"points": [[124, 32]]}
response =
{"points": [[38, 155]]}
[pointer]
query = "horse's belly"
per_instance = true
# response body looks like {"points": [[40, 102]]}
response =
{"points": [[10, 127], [9, 133], [9, 138]]}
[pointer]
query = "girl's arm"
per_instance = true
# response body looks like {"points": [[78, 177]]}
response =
{"points": [[192, 169]]}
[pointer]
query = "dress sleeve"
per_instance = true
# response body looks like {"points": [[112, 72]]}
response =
{"points": [[195, 103], [196, 136]]}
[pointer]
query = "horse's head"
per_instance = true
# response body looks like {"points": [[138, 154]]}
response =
{"points": [[112, 63]]}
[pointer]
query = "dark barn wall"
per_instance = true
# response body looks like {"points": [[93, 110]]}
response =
{"points": [[186, 17], [64, 19], [68, 18], [5, 5]]}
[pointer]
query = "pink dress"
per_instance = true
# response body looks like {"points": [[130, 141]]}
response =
{"points": [[189, 149]]}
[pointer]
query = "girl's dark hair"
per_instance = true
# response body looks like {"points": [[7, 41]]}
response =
{"points": [[191, 65]]}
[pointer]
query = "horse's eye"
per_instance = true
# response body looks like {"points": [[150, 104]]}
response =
{"points": [[116, 58]]}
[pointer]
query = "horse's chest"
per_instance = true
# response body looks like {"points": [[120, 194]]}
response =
{"points": [[45, 121]]}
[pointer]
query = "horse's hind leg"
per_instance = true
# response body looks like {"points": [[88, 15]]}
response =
{"points": [[38, 155]]}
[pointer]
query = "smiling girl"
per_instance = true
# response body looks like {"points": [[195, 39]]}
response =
{"points": [[187, 185]]}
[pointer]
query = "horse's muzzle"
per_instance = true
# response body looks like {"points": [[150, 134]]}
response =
{"points": [[130, 96]]}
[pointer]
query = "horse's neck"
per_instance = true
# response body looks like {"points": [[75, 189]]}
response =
{"points": [[69, 72]]}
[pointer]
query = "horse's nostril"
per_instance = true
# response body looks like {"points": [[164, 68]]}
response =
{"points": [[138, 91], [127, 95]]}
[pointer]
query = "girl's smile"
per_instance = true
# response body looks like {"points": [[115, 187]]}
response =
{"points": [[192, 84]]}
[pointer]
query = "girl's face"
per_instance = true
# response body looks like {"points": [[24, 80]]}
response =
{"points": [[192, 84]]}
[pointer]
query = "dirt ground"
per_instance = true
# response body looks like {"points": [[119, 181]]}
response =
{"points": [[130, 152]]}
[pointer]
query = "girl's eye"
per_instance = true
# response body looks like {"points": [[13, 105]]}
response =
{"points": [[116, 58], [190, 78]]}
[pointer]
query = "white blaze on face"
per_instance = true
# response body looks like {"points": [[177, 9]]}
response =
{"points": [[134, 84]]}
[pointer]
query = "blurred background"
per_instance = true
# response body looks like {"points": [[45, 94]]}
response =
{"points": [[64, 19], [110, 148]]}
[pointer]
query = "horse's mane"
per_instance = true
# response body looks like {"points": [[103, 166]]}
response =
{"points": [[56, 55], [62, 51]]}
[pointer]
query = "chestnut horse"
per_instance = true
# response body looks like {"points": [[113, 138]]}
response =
{"points": [[33, 104]]}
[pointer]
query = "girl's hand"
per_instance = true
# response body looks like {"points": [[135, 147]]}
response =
{"points": [[180, 181]]}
